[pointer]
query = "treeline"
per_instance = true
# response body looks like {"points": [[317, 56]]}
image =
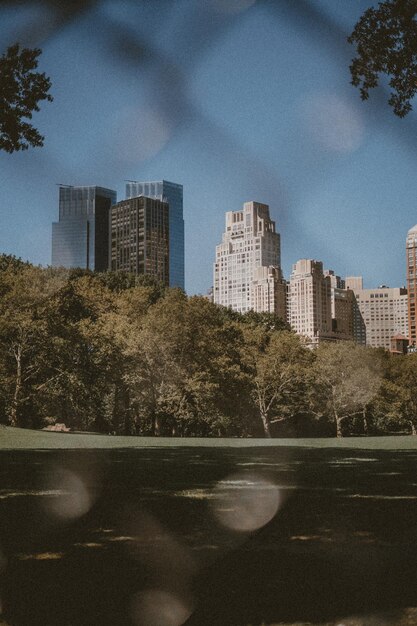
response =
{"points": [[118, 353]]}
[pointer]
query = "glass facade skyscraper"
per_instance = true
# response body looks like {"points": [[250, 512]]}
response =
{"points": [[81, 236], [172, 193]]}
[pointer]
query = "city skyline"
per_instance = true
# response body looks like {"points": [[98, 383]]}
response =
{"points": [[79, 202], [263, 110]]}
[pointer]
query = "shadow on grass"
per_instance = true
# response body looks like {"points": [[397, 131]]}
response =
{"points": [[96, 537]]}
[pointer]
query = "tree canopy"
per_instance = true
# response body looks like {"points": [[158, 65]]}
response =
{"points": [[386, 44], [21, 90], [120, 354]]}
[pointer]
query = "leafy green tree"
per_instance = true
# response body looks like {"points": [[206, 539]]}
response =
{"points": [[10, 262], [21, 90], [386, 43], [82, 352], [397, 403], [277, 365], [25, 295], [346, 379], [267, 321], [185, 366]]}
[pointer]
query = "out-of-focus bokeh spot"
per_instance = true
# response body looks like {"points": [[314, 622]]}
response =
{"points": [[159, 608], [169, 565], [246, 502], [140, 133], [334, 123], [76, 494]]}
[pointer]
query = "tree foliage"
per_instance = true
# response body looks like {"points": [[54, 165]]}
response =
{"points": [[21, 90], [115, 354], [386, 43], [347, 377]]}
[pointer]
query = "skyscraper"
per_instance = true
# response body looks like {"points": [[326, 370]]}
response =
{"points": [[310, 301], [81, 236], [411, 250], [249, 243], [139, 237], [172, 193]]}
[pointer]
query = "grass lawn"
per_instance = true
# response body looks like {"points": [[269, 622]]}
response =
{"points": [[17, 438], [101, 530]]}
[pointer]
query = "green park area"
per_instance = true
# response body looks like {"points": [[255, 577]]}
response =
{"points": [[101, 529]]}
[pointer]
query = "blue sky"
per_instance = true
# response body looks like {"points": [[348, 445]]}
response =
{"points": [[237, 100]]}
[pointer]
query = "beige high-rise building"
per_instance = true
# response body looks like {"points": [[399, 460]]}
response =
{"points": [[268, 291], [411, 250], [343, 307], [354, 282], [310, 301], [384, 312], [247, 270]]}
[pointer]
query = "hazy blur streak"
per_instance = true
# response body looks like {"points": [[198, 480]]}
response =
{"points": [[169, 564], [232, 6], [364, 620]]}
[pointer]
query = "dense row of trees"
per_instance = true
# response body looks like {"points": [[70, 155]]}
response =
{"points": [[118, 353]]}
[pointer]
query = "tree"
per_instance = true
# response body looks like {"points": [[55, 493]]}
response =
{"points": [[23, 335], [184, 375], [386, 43], [398, 401], [21, 89], [81, 355], [346, 378], [277, 365]]}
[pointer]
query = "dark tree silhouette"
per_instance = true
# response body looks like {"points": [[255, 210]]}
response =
{"points": [[21, 89], [386, 43]]}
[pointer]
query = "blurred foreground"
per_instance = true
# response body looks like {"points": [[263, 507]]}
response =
{"points": [[208, 536]]}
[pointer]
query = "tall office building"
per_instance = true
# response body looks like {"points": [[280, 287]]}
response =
{"points": [[172, 193], [81, 237], [249, 243], [310, 301], [384, 312], [355, 283], [342, 303], [139, 237], [412, 284]]}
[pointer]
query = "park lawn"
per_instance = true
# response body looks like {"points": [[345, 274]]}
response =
{"points": [[26, 439], [95, 529]]}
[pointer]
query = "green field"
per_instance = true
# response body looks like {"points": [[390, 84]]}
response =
{"points": [[102, 530], [17, 438]]}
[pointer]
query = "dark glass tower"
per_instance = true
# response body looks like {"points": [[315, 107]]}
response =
{"points": [[139, 237], [81, 237], [172, 193]]}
